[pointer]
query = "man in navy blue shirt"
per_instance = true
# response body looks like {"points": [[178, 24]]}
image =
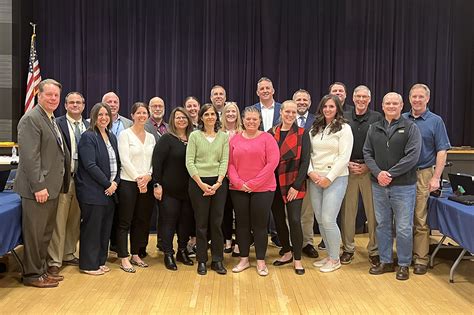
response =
{"points": [[429, 168]]}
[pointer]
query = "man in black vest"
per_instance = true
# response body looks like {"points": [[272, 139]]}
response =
{"points": [[391, 152]]}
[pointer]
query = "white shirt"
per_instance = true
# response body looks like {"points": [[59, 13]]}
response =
{"points": [[135, 156], [71, 126], [331, 152], [267, 116]]}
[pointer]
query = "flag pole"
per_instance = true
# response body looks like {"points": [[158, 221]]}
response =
{"points": [[34, 76]]}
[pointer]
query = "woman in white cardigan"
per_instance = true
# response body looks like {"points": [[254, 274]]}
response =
{"points": [[135, 191], [331, 147]]}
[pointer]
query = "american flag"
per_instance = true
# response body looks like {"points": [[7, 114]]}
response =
{"points": [[34, 76]]}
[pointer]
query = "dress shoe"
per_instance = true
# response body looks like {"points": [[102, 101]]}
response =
{"points": [[182, 256], [53, 273], [170, 264], [72, 262], [374, 260], [41, 282], [281, 263], [201, 269], [218, 267], [382, 268], [299, 271], [420, 269], [321, 245], [310, 251], [346, 258], [403, 273]]}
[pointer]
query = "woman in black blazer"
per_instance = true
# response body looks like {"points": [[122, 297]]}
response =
{"points": [[97, 179]]}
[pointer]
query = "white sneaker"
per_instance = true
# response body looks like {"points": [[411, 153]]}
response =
{"points": [[321, 262], [330, 266]]}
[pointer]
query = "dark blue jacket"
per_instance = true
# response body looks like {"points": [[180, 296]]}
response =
{"points": [[93, 173]]}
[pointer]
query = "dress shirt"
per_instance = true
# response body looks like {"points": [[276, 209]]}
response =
{"points": [[267, 116]]}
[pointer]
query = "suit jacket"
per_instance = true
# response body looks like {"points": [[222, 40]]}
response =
{"points": [[43, 163], [93, 173], [276, 112], [309, 121], [151, 129], [63, 126], [127, 123]]}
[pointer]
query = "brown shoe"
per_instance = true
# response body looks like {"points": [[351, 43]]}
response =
{"points": [[41, 282], [56, 277], [381, 269], [420, 269], [72, 262], [374, 260], [403, 273], [346, 258]]}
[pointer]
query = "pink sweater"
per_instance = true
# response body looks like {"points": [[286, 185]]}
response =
{"points": [[253, 162]]}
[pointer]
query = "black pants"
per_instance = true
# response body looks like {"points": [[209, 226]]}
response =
{"points": [[228, 220], [37, 223], [134, 213], [293, 208], [176, 216], [96, 224], [251, 215], [208, 213]]}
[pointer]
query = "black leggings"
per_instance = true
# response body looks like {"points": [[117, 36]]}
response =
{"points": [[228, 220], [134, 213], [208, 213], [293, 209], [175, 215], [252, 211]]}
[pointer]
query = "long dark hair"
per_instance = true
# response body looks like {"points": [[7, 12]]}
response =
{"points": [[95, 114], [172, 125], [204, 109], [320, 122]]}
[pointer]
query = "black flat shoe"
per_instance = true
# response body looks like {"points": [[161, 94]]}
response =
{"points": [[299, 272], [228, 250], [201, 269], [170, 264], [182, 256], [234, 254], [218, 267], [281, 263]]}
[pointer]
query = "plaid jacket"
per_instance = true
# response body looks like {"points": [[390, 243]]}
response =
{"points": [[291, 171]]}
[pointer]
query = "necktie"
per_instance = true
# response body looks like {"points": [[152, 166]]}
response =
{"points": [[58, 133], [302, 120], [77, 136]]}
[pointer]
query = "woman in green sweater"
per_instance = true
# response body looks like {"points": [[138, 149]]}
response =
{"points": [[207, 157]]}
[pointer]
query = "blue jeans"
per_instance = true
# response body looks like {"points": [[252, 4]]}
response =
{"points": [[394, 203], [326, 204]]}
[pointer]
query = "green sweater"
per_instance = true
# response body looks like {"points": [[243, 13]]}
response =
{"points": [[207, 159]]}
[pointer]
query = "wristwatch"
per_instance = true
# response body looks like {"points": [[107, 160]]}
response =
{"points": [[156, 185]]}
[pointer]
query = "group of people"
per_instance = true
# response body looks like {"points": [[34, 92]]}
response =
{"points": [[275, 169]]}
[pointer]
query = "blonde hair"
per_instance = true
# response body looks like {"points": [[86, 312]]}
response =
{"points": [[238, 122]]}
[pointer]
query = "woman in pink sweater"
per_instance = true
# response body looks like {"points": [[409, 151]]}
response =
{"points": [[253, 157]]}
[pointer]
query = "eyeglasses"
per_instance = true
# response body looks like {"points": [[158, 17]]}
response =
{"points": [[75, 102], [180, 118]]}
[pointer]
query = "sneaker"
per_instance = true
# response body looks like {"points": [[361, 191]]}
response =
{"points": [[374, 260], [191, 250], [321, 262], [346, 258], [330, 266], [321, 245]]}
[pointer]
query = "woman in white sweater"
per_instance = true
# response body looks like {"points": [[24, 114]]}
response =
{"points": [[135, 190], [331, 147]]}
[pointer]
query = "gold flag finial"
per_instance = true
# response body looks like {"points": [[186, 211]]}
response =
{"points": [[34, 27]]}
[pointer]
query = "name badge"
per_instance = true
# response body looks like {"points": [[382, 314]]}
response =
{"points": [[401, 131]]}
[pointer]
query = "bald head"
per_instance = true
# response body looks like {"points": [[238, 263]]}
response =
{"points": [[111, 99]]}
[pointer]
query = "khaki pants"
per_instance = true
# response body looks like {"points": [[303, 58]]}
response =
{"points": [[307, 218], [66, 230], [349, 209], [421, 231]]}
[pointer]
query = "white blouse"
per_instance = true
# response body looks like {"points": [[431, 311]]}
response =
{"points": [[135, 156]]}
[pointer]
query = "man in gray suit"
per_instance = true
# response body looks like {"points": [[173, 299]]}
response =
{"points": [[40, 177], [119, 123], [156, 124]]}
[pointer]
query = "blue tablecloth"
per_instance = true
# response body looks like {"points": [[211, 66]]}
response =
{"points": [[453, 219], [10, 221]]}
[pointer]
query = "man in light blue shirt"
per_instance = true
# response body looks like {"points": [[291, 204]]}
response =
{"points": [[119, 123], [429, 168]]}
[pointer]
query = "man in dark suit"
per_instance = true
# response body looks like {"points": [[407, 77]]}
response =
{"points": [[267, 106], [218, 97], [305, 120], [40, 177], [156, 124], [66, 232]]}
